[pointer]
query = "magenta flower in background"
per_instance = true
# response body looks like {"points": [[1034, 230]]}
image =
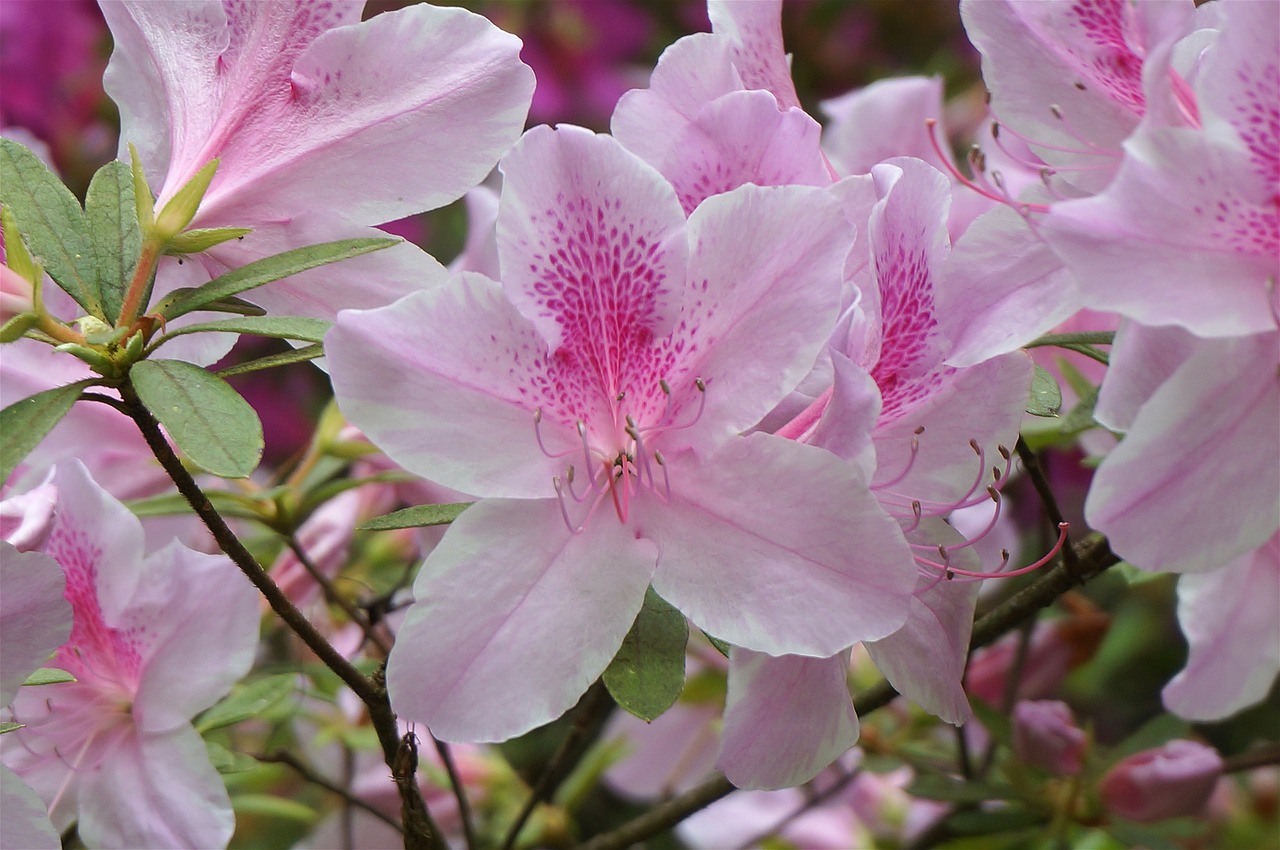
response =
{"points": [[1171, 780], [1046, 736], [595, 399], [304, 106], [155, 640]]}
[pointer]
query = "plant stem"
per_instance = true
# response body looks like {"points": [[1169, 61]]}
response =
{"points": [[420, 832], [287, 758]]}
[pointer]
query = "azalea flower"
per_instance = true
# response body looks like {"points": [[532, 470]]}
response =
{"points": [[305, 105], [595, 400], [34, 620], [155, 640]]}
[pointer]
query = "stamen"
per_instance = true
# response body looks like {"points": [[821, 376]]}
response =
{"points": [[666, 389], [537, 432], [911, 461], [564, 510], [931, 124], [950, 572], [643, 467], [666, 479]]}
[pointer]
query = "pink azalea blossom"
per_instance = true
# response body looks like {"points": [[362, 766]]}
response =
{"points": [[34, 620], [304, 105], [1046, 736], [1189, 232], [610, 374], [155, 640]]}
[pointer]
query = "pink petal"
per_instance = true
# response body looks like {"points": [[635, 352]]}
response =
{"points": [[755, 29], [883, 120], [414, 379], [155, 791], [925, 659], [35, 619], [197, 617], [771, 546], [591, 243], [1229, 619], [1142, 359], [1162, 496], [741, 138], [764, 288], [304, 112], [26, 822], [786, 718], [515, 617], [848, 419]]}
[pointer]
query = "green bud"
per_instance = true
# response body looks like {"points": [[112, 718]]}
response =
{"points": [[16, 256], [96, 360], [142, 197], [182, 207], [204, 238]]}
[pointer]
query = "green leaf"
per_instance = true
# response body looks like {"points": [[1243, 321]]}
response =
{"points": [[269, 269], [14, 329], [1080, 418], [112, 214], [721, 647], [9, 726], [204, 238], [1046, 397], [226, 761], [1131, 834], [247, 700], [415, 517], [279, 327], [48, 676], [994, 820], [271, 806], [174, 504], [1078, 338], [271, 361], [646, 676], [935, 787], [52, 225], [23, 424], [185, 203], [215, 428]]}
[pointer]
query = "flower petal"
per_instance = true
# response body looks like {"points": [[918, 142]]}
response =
{"points": [[772, 546], [785, 719], [515, 617], [35, 619], [1229, 619], [26, 823], [755, 29]]}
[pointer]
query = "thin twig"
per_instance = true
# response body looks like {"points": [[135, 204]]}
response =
{"points": [[287, 758], [663, 816], [813, 802], [589, 718], [334, 597], [1031, 463], [1260, 757], [420, 831], [459, 792]]}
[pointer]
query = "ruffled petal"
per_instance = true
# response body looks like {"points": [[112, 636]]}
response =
{"points": [[786, 718], [755, 30], [1229, 619], [772, 546], [515, 617]]}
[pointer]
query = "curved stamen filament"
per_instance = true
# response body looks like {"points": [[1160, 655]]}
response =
{"points": [[666, 390], [537, 432], [932, 125], [911, 461], [949, 572]]}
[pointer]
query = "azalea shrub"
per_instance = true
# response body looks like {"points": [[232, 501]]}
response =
{"points": [[638, 435]]}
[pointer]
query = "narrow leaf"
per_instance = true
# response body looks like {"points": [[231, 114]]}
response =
{"points": [[1080, 418], [415, 517], [24, 423], [14, 329], [269, 269], [112, 214], [279, 327], [246, 701], [48, 676], [213, 426], [174, 504], [204, 238], [935, 787], [226, 761], [647, 674], [51, 223], [271, 361], [9, 726], [1046, 397]]}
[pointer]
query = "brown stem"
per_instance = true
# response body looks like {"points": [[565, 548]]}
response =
{"points": [[285, 757], [459, 792], [1031, 463], [420, 832], [331, 594], [663, 816], [589, 718], [1259, 757], [132, 305]]}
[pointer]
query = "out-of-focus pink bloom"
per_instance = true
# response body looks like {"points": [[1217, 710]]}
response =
{"points": [[155, 640], [625, 336], [27, 518], [1174, 779], [756, 819], [1046, 736], [15, 294], [1056, 648], [304, 105], [34, 620], [1229, 619]]}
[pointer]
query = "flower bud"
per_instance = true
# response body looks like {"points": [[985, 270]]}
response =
{"points": [[1046, 736], [1174, 779]]}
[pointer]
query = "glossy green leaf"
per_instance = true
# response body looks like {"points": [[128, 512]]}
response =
{"points": [[24, 423], [1046, 397], [267, 270], [247, 700], [272, 361], [278, 327], [646, 676], [52, 224], [48, 676], [208, 420], [112, 214], [9, 726], [415, 517]]}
